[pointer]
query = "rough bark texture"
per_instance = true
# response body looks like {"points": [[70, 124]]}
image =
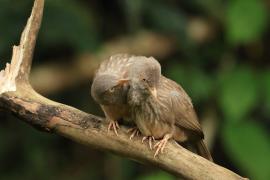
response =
{"points": [[18, 97]]}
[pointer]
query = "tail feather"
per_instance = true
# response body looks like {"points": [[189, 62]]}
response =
{"points": [[203, 151]]}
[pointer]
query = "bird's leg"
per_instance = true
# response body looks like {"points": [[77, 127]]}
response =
{"points": [[113, 125], [161, 144], [151, 140], [134, 132]]}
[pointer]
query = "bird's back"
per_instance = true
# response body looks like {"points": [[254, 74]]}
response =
{"points": [[125, 65], [181, 106], [117, 65], [188, 129]]}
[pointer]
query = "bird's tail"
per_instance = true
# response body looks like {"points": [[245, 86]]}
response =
{"points": [[203, 151]]}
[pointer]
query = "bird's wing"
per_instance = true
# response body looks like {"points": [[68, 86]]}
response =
{"points": [[185, 115]]}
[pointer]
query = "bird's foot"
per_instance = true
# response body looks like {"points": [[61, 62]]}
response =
{"points": [[161, 144], [150, 139], [114, 126], [134, 132]]}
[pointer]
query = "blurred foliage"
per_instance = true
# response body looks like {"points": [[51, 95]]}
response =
{"points": [[221, 58], [69, 25], [246, 20], [197, 84], [157, 176], [249, 144], [265, 85], [237, 94]]}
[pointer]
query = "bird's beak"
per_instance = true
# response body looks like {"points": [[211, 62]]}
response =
{"points": [[122, 82], [154, 92]]}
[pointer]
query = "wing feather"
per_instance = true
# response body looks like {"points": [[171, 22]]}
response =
{"points": [[185, 115]]}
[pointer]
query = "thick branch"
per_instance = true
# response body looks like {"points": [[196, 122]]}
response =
{"points": [[91, 130], [17, 96]]}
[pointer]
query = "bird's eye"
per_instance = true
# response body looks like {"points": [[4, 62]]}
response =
{"points": [[144, 79], [111, 90]]}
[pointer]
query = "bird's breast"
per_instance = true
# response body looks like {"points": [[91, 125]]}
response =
{"points": [[151, 121]]}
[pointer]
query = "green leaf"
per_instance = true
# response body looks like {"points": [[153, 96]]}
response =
{"points": [[157, 176], [246, 20], [266, 87], [238, 93], [196, 83], [249, 147]]}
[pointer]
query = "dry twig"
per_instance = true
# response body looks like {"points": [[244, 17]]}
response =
{"points": [[17, 96]]}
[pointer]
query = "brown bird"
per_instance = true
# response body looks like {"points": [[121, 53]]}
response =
{"points": [[111, 84], [162, 110]]}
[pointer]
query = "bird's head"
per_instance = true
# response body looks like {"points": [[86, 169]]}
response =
{"points": [[144, 81], [140, 91], [109, 89]]}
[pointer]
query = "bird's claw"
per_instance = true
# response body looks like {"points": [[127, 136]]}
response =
{"points": [[161, 145], [151, 140], [134, 132], [113, 125]]}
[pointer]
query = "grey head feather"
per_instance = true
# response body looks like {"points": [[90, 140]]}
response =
{"points": [[105, 90], [146, 74], [145, 68]]}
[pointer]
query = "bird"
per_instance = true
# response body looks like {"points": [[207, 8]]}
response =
{"points": [[111, 84], [162, 110]]}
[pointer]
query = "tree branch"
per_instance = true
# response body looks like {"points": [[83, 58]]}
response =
{"points": [[17, 96]]}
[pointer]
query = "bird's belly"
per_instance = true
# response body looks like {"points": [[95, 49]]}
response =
{"points": [[153, 127], [116, 112]]}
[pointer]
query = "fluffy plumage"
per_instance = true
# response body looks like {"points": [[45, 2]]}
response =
{"points": [[168, 115], [110, 84]]}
